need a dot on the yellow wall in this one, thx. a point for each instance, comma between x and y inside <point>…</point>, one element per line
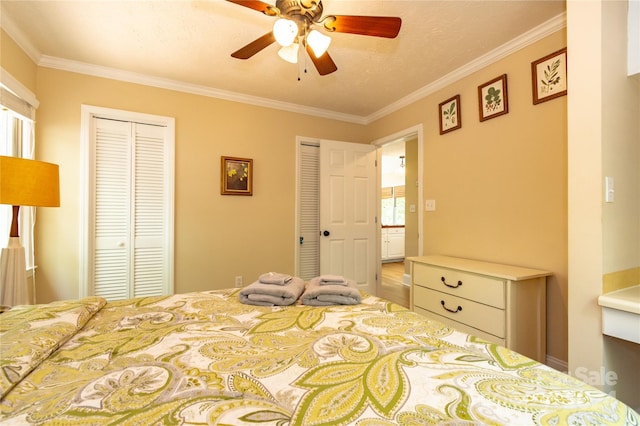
<point>604,140</point>
<point>16,62</point>
<point>500,185</point>
<point>411,229</point>
<point>620,219</point>
<point>216,237</point>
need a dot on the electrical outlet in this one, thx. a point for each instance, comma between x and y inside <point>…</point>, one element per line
<point>239,281</point>
<point>430,205</point>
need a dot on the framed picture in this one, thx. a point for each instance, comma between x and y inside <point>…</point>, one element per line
<point>492,98</point>
<point>549,76</point>
<point>236,176</point>
<point>450,118</point>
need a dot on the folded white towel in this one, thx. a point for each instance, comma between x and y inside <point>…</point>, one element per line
<point>328,294</point>
<point>332,279</point>
<point>275,278</point>
<point>258,293</point>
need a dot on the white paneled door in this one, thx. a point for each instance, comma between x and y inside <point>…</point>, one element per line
<point>129,221</point>
<point>348,241</point>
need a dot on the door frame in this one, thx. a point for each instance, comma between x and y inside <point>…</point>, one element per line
<point>416,130</point>
<point>318,141</point>
<point>408,133</point>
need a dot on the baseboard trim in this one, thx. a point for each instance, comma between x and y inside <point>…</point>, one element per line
<point>557,364</point>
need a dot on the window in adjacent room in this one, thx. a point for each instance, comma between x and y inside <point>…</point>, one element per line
<point>393,201</point>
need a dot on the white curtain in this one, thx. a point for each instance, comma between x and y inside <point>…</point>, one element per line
<point>5,149</point>
<point>17,140</point>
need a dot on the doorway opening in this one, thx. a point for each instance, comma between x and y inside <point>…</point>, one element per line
<point>400,198</point>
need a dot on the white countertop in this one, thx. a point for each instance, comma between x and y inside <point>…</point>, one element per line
<point>621,313</point>
<point>626,299</point>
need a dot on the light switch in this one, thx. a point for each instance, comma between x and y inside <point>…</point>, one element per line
<point>430,205</point>
<point>609,189</point>
<point>412,208</point>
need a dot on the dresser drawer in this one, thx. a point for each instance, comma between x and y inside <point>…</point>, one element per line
<point>486,290</point>
<point>461,327</point>
<point>477,315</point>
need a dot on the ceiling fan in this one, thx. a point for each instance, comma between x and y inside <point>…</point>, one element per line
<point>294,27</point>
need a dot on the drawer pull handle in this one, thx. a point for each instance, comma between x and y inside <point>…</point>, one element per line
<point>451,310</point>
<point>449,285</point>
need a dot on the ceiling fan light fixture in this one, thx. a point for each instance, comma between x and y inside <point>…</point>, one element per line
<point>318,42</point>
<point>285,31</point>
<point>289,53</point>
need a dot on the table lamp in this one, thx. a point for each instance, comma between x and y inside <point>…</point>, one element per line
<point>22,183</point>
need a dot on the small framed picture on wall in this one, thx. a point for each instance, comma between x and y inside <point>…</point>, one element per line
<point>236,176</point>
<point>450,118</point>
<point>492,98</point>
<point>549,76</point>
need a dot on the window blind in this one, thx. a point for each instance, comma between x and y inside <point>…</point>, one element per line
<point>386,192</point>
<point>15,104</point>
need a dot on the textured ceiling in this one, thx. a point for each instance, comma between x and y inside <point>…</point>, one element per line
<point>191,42</point>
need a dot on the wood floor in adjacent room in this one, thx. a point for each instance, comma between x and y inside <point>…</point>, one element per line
<point>392,287</point>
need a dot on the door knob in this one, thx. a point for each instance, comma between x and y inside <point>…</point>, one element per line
<point>326,233</point>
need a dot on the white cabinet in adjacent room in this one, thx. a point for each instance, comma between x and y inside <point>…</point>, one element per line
<point>392,243</point>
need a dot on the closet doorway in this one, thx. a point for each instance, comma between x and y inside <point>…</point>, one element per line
<point>127,199</point>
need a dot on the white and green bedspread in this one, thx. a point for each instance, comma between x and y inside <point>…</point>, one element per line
<point>204,358</point>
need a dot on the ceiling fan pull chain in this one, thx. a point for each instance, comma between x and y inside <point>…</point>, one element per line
<point>303,64</point>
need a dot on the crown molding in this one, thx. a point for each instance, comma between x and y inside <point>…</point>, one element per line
<point>531,36</point>
<point>537,33</point>
<point>164,83</point>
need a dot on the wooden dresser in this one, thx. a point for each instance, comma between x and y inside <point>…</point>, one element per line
<point>500,303</point>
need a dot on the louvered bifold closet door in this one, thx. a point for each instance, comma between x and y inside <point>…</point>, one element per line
<point>112,205</point>
<point>309,253</point>
<point>149,267</point>
<point>131,223</point>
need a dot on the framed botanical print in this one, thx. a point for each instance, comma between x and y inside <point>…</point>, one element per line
<point>450,118</point>
<point>549,76</point>
<point>492,98</point>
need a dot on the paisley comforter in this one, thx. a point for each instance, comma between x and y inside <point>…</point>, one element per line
<point>204,358</point>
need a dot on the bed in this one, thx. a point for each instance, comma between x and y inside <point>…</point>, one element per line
<point>205,358</point>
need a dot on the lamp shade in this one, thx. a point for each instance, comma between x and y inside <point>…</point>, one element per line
<point>285,31</point>
<point>289,53</point>
<point>29,183</point>
<point>318,42</point>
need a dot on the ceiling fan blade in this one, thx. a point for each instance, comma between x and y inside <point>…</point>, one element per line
<point>255,5</point>
<point>379,26</point>
<point>324,64</point>
<point>254,47</point>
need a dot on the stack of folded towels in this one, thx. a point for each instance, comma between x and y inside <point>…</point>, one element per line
<point>331,290</point>
<point>271,289</point>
